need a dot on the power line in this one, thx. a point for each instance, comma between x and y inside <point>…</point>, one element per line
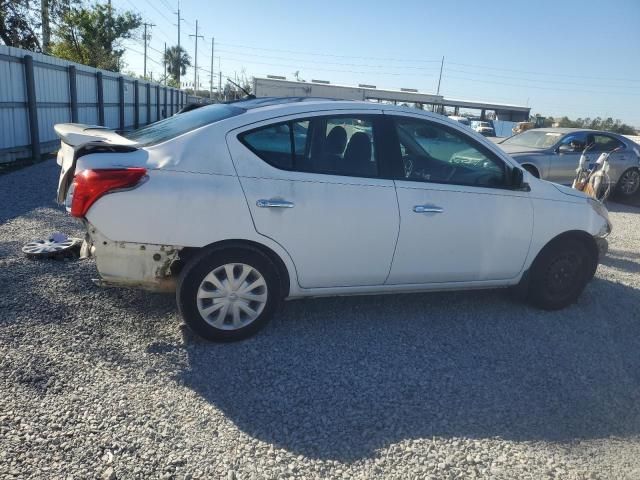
<point>329,63</point>
<point>327,54</point>
<point>540,88</point>
<point>253,62</point>
<point>545,73</point>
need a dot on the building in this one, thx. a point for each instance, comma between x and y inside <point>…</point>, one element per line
<point>273,86</point>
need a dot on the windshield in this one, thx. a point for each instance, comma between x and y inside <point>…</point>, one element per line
<point>534,139</point>
<point>182,123</point>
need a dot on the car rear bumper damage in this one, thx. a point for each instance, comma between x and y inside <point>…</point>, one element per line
<point>129,264</point>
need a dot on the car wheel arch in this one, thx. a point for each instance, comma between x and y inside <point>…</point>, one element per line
<point>532,169</point>
<point>186,254</point>
<point>584,237</point>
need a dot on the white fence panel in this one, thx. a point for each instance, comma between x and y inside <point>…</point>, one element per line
<point>53,103</point>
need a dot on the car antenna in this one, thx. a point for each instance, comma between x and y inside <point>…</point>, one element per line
<point>249,96</point>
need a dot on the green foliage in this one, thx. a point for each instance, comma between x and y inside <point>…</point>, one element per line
<point>92,36</point>
<point>19,22</point>
<point>177,61</point>
<point>598,123</point>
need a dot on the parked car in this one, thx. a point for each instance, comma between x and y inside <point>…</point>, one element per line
<point>366,199</point>
<point>483,128</point>
<point>462,120</point>
<point>553,154</point>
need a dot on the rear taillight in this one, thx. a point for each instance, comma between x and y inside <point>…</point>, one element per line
<point>90,185</point>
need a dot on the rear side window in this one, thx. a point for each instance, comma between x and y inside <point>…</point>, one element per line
<point>605,143</point>
<point>340,145</point>
<point>182,123</point>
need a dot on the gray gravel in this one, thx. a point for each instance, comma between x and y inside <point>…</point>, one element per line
<point>108,383</point>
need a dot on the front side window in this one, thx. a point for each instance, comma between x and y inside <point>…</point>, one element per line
<point>434,153</point>
<point>340,145</point>
<point>577,141</point>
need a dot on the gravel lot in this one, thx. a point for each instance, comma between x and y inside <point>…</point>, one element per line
<point>108,383</point>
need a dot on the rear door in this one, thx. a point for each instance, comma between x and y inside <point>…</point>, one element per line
<point>315,185</point>
<point>459,221</point>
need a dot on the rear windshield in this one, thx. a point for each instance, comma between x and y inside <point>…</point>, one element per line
<point>182,123</point>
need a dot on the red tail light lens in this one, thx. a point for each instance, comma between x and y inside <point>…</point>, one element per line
<point>90,185</point>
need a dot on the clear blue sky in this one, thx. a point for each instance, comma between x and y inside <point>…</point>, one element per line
<point>575,58</point>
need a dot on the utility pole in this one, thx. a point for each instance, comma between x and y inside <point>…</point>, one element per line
<point>211,71</point>
<point>195,68</point>
<point>179,49</point>
<point>146,39</point>
<point>219,83</point>
<point>164,61</point>
<point>440,77</point>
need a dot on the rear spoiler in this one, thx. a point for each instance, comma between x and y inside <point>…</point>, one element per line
<point>76,134</point>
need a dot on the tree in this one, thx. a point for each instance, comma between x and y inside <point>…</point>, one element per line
<point>19,22</point>
<point>177,60</point>
<point>92,36</point>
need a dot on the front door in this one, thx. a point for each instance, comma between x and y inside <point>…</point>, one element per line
<point>313,185</point>
<point>459,221</point>
<point>563,163</point>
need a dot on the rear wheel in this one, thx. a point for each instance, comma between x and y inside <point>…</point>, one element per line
<point>560,273</point>
<point>227,295</point>
<point>629,183</point>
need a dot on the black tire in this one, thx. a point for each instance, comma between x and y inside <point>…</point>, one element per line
<point>194,273</point>
<point>559,274</point>
<point>623,188</point>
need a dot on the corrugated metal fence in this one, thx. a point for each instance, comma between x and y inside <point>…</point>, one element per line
<point>37,91</point>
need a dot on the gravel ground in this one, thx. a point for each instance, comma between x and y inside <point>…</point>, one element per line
<point>108,383</point>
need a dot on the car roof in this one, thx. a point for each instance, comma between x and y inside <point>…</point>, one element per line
<point>571,130</point>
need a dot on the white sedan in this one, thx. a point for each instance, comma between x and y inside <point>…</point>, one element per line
<point>239,206</point>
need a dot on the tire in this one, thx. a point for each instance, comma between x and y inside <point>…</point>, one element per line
<point>532,170</point>
<point>560,273</point>
<point>629,183</point>
<point>219,310</point>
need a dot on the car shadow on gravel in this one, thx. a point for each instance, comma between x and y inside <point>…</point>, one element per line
<point>340,378</point>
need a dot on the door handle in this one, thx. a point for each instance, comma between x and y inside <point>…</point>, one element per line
<point>428,209</point>
<point>274,204</point>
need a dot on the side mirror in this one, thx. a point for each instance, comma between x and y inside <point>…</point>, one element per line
<point>565,148</point>
<point>517,179</point>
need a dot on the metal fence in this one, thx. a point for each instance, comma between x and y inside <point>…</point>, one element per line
<point>37,91</point>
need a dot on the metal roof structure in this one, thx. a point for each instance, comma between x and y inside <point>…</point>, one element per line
<point>280,87</point>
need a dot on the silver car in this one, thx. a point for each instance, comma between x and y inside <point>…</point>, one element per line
<point>553,154</point>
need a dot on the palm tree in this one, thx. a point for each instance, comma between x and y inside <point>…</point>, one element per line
<point>177,60</point>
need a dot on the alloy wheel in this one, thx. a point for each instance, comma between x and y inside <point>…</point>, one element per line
<point>629,182</point>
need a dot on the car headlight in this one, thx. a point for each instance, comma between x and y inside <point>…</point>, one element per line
<point>602,211</point>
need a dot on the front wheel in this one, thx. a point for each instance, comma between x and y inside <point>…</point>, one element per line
<point>560,273</point>
<point>226,295</point>
<point>629,182</point>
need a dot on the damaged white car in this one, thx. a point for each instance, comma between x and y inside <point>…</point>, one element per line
<point>239,206</point>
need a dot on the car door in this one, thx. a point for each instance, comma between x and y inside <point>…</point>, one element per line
<point>459,220</point>
<point>564,158</point>
<point>324,199</point>
<point>620,158</point>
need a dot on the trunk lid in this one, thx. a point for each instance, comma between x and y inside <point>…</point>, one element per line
<point>77,139</point>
